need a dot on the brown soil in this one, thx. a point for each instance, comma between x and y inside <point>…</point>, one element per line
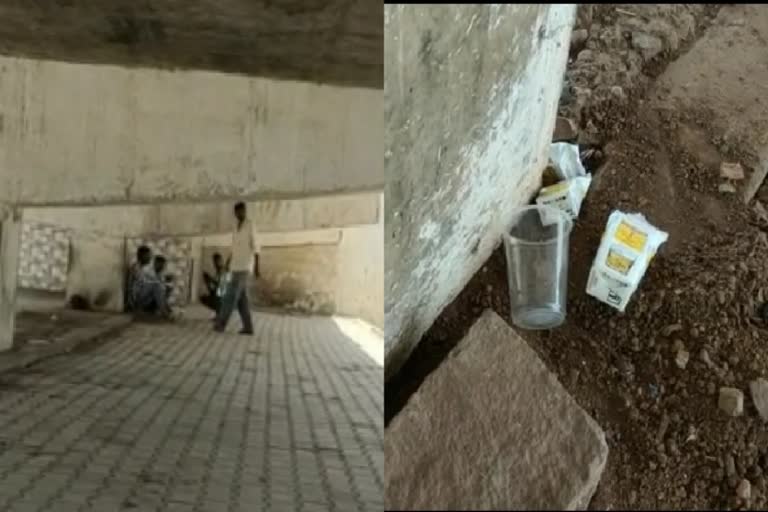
<point>703,290</point>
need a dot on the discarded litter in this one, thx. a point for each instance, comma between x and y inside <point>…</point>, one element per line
<point>536,248</point>
<point>731,171</point>
<point>566,160</point>
<point>566,195</point>
<point>627,247</point>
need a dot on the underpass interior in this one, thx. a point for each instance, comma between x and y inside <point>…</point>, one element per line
<point>317,313</point>
<point>143,126</point>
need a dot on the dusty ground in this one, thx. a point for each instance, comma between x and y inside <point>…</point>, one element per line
<point>695,103</point>
<point>47,326</point>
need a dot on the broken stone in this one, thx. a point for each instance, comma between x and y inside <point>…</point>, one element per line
<point>648,45</point>
<point>704,356</point>
<point>538,448</point>
<point>744,490</point>
<point>731,401</point>
<point>617,91</point>
<point>671,329</point>
<point>681,359</point>
<point>731,171</point>
<point>758,388</point>
<point>565,130</point>
<point>663,426</point>
<point>579,37</point>
<point>760,211</point>
<point>730,466</point>
<point>726,188</point>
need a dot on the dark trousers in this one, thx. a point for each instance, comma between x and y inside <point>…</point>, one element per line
<point>211,302</point>
<point>236,296</point>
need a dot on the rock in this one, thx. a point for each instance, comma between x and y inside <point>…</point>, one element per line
<point>731,401</point>
<point>663,426</point>
<point>583,56</point>
<point>731,171</point>
<point>681,359</point>
<point>538,449</point>
<point>618,92</point>
<point>730,466</point>
<point>704,356</point>
<point>565,130</point>
<point>744,490</point>
<point>648,45</point>
<point>579,37</point>
<point>671,329</point>
<point>758,388</point>
<point>760,211</point>
<point>726,188</point>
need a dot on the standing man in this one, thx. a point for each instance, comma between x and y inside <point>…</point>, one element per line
<point>244,260</point>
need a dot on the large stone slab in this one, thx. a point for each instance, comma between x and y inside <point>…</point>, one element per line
<point>492,428</point>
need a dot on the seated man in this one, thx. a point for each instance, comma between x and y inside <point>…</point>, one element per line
<point>146,293</point>
<point>167,279</point>
<point>212,283</point>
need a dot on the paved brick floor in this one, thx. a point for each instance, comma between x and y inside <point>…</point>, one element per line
<point>175,418</point>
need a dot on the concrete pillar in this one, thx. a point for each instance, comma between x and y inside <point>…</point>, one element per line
<point>10,236</point>
<point>489,76</point>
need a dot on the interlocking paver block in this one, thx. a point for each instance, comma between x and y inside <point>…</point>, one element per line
<point>175,417</point>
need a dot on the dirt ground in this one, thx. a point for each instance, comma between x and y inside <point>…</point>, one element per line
<point>670,444</point>
<point>46,326</point>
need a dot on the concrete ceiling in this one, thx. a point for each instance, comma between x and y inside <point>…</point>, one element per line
<point>326,41</point>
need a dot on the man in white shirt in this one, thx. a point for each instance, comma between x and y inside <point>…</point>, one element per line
<point>244,260</point>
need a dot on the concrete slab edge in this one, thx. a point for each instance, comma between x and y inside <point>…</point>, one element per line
<point>77,338</point>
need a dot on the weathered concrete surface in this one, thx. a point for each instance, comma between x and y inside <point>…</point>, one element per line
<point>10,239</point>
<point>299,277</point>
<point>470,101</point>
<point>213,218</point>
<point>97,270</point>
<point>360,274</point>
<point>334,41</point>
<point>76,134</point>
<point>96,327</point>
<point>492,429</point>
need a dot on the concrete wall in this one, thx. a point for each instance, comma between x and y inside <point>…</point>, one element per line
<point>97,270</point>
<point>79,134</point>
<point>470,101</point>
<point>300,277</point>
<point>360,288</point>
<point>212,218</point>
<point>323,271</point>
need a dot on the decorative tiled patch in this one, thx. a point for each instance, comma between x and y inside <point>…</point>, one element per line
<point>43,257</point>
<point>177,252</point>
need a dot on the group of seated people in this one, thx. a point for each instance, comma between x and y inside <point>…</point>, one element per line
<point>149,288</point>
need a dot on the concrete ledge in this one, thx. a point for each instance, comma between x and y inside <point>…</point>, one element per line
<point>492,428</point>
<point>77,338</point>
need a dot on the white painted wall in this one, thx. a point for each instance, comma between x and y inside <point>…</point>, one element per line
<point>211,218</point>
<point>81,134</point>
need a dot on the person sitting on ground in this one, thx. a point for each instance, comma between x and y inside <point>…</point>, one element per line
<point>146,293</point>
<point>212,283</point>
<point>160,264</point>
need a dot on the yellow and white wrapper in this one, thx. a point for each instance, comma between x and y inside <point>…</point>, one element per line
<point>628,245</point>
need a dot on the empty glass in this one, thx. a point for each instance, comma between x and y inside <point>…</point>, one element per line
<point>537,266</point>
